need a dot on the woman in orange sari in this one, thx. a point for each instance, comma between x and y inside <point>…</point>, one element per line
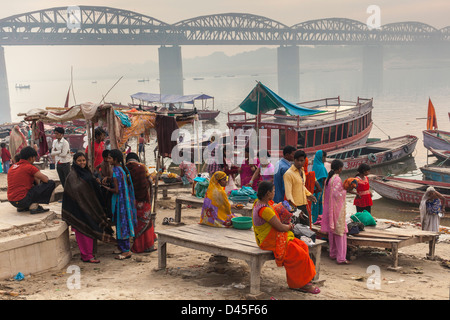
<point>290,252</point>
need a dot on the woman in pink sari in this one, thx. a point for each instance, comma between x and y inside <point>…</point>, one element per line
<point>247,170</point>
<point>333,217</point>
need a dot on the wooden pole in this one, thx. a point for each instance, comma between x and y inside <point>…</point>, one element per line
<point>155,194</point>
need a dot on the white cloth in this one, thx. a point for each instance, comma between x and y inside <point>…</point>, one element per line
<point>61,151</point>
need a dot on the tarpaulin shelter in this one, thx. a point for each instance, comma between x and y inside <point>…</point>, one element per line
<point>262,100</point>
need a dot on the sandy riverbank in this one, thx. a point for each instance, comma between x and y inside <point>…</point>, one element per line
<point>190,275</point>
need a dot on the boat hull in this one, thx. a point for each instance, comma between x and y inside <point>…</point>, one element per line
<point>207,114</point>
<point>442,155</point>
<point>441,174</point>
<point>436,139</point>
<point>383,152</point>
<point>407,190</point>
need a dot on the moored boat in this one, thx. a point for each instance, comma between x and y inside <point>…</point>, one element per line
<point>436,173</point>
<point>375,153</point>
<point>442,155</point>
<point>436,139</point>
<point>167,104</point>
<point>326,124</point>
<point>407,190</point>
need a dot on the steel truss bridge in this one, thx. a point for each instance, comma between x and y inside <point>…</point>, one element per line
<point>110,26</point>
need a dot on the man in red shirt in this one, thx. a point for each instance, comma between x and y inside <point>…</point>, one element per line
<point>27,185</point>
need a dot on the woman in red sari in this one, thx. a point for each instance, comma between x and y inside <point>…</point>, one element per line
<point>145,237</point>
<point>290,252</point>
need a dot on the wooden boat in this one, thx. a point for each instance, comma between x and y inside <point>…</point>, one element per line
<point>442,155</point>
<point>436,139</point>
<point>407,190</point>
<point>375,153</point>
<point>326,124</point>
<point>436,173</point>
<point>168,104</point>
<point>23,86</point>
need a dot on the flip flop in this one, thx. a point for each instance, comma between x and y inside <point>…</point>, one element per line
<point>311,289</point>
<point>122,257</point>
<point>93,260</point>
<point>165,221</point>
<point>344,262</point>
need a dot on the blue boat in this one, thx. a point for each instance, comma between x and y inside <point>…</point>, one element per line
<point>435,173</point>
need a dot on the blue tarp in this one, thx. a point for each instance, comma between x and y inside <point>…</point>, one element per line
<point>269,100</point>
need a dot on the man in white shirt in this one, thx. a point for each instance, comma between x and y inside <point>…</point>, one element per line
<point>61,152</point>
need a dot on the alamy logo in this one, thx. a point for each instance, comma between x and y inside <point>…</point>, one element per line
<point>74,281</point>
<point>73,17</point>
<point>374,20</point>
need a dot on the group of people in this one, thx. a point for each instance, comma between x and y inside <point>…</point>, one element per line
<point>111,203</point>
<point>122,199</point>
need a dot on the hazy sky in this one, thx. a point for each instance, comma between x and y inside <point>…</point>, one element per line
<point>289,12</point>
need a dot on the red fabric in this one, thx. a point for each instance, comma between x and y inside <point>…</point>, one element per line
<point>6,156</point>
<point>300,269</point>
<point>20,180</point>
<point>98,150</point>
<point>363,189</point>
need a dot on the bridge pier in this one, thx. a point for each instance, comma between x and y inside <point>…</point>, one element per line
<point>372,66</point>
<point>288,72</point>
<point>5,108</point>
<point>170,70</point>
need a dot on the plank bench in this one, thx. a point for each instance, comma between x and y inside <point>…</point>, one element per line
<point>166,186</point>
<point>229,242</point>
<point>389,238</point>
<point>194,201</point>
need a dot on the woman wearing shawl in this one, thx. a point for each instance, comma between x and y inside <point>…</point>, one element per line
<point>122,204</point>
<point>17,141</point>
<point>333,217</point>
<point>321,175</point>
<point>431,209</point>
<point>216,210</point>
<point>82,208</point>
<point>145,232</point>
<point>271,234</point>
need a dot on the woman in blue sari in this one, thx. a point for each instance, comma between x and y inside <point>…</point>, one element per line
<point>123,205</point>
<point>321,176</point>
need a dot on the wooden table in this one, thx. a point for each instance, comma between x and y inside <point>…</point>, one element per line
<point>229,242</point>
<point>194,201</point>
<point>389,238</point>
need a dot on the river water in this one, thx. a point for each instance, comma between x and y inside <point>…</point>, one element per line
<point>400,106</point>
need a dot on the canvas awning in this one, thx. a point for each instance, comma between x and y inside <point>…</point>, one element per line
<point>263,99</point>
<point>169,98</point>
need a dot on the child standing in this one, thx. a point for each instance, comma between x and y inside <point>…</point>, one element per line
<point>6,158</point>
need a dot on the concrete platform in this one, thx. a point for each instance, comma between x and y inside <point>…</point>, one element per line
<point>32,243</point>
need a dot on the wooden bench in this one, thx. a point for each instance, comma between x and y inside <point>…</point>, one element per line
<point>166,186</point>
<point>389,238</point>
<point>229,242</point>
<point>194,201</point>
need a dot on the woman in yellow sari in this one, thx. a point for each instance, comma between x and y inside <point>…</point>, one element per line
<point>216,210</point>
<point>290,252</point>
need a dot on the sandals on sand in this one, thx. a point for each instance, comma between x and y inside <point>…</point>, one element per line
<point>309,288</point>
<point>167,220</point>
<point>344,262</point>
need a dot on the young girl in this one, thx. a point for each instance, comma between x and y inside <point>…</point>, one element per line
<point>333,217</point>
<point>264,171</point>
<point>363,200</point>
<point>122,204</point>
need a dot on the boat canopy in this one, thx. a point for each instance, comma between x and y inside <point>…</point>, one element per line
<point>169,98</point>
<point>262,99</point>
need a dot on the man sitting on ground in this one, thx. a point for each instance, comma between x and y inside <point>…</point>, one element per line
<point>27,185</point>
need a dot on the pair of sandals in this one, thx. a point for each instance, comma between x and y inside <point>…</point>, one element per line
<point>167,220</point>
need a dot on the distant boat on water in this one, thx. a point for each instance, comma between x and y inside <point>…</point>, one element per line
<point>23,86</point>
<point>198,78</point>
<point>143,80</point>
